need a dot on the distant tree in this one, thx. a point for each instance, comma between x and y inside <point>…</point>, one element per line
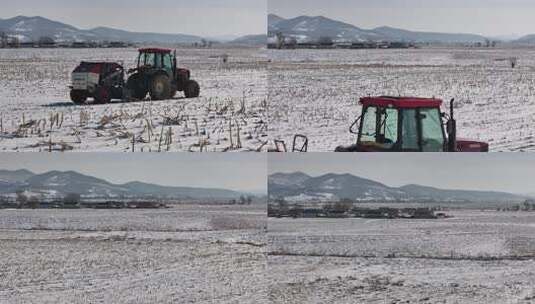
<point>291,42</point>
<point>3,40</point>
<point>249,200</point>
<point>15,42</point>
<point>71,199</point>
<point>33,202</point>
<point>325,40</point>
<point>343,206</point>
<point>282,204</point>
<point>22,198</point>
<point>280,40</point>
<point>45,41</point>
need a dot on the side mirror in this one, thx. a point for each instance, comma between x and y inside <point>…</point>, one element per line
<point>300,143</point>
<point>353,125</point>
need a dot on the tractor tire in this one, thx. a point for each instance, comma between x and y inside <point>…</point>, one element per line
<point>192,89</point>
<point>136,88</point>
<point>78,97</point>
<point>160,88</point>
<point>102,95</point>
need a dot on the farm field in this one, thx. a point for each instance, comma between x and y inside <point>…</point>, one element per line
<point>37,114</point>
<point>185,254</point>
<point>474,257</point>
<point>316,92</point>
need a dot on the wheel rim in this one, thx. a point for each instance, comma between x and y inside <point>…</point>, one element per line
<point>159,87</point>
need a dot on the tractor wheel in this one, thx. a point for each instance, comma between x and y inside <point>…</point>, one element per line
<point>160,87</point>
<point>102,95</point>
<point>192,89</point>
<point>78,97</point>
<point>135,86</point>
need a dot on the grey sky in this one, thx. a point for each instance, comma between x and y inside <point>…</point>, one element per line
<point>244,171</point>
<point>486,17</point>
<point>509,172</point>
<point>197,17</point>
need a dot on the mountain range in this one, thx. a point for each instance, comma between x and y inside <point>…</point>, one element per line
<point>298,186</point>
<point>58,183</point>
<point>29,29</point>
<point>312,28</point>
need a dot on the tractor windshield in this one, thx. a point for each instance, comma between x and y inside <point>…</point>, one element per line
<point>146,59</point>
<point>379,127</point>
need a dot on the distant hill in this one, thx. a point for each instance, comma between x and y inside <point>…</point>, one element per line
<point>106,33</point>
<point>251,40</point>
<point>311,28</point>
<point>59,183</point>
<point>301,187</point>
<point>274,19</point>
<point>16,176</point>
<point>528,39</point>
<point>391,33</point>
<point>32,28</point>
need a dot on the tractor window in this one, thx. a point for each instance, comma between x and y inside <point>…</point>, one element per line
<point>432,134</point>
<point>379,127</point>
<point>369,125</point>
<point>167,62</point>
<point>146,59</point>
<point>389,119</point>
<point>409,133</point>
<point>158,62</point>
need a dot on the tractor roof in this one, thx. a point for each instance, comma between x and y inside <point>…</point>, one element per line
<point>155,50</point>
<point>401,102</point>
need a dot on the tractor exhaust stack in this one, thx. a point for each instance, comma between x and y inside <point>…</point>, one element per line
<point>452,129</point>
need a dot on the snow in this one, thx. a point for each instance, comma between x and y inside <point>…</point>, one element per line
<point>316,92</point>
<point>316,196</point>
<point>475,257</point>
<point>186,254</point>
<point>33,89</point>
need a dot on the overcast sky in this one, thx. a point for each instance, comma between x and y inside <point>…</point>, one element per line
<point>242,172</point>
<point>486,17</point>
<point>197,17</point>
<point>509,172</point>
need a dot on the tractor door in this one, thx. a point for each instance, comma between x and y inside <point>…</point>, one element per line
<point>422,130</point>
<point>410,138</point>
<point>167,65</point>
<point>378,129</point>
<point>433,138</point>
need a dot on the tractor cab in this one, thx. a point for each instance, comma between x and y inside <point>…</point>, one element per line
<point>157,59</point>
<point>407,124</point>
<point>157,74</point>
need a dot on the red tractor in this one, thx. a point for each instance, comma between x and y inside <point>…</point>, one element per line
<point>156,74</point>
<point>403,124</point>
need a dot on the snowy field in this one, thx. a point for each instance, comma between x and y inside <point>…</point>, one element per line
<point>37,115</point>
<point>186,254</point>
<point>475,257</point>
<point>316,92</point>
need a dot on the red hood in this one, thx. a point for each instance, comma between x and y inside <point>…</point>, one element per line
<point>468,145</point>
